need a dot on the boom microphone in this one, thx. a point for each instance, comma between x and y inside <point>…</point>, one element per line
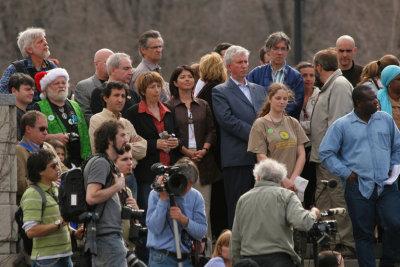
<point>335,211</point>
<point>332,183</point>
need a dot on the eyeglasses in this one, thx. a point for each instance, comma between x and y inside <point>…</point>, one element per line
<point>283,49</point>
<point>155,47</point>
<point>42,129</point>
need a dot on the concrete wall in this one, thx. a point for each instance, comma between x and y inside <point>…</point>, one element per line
<point>8,180</point>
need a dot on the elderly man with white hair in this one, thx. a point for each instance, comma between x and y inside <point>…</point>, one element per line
<point>265,216</point>
<point>34,48</point>
<point>64,117</point>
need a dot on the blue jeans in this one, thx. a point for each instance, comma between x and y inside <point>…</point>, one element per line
<point>159,259</point>
<point>364,214</point>
<point>56,262</point>
<point>111,251</point>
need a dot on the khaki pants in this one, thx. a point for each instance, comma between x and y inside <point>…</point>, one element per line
<point>334,198</point>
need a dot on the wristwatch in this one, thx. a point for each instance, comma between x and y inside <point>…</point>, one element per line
<point>58,223</point>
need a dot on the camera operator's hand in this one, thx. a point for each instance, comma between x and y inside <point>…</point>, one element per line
<point>119,181</point>
<point>317,212</point>
<point>132,202</point>
<point>62,137</point>
<point>288,184</point>
<point>176,214</point>
<point>172,142</point>
<point>163,194</point>
<point>352,177</point>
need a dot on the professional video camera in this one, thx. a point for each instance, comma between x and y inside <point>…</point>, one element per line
<point>174,182</point>
<point>323,230</point>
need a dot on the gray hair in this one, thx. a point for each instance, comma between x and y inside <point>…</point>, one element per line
<point>189,169</point>
<point>270,170</point>
<point>144,39</point>
<point>275,38</point>
<point>25,39</point>
<point>115,59</point>
<point>232,51</point>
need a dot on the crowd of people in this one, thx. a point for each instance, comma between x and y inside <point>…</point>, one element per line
<point>242,139</point>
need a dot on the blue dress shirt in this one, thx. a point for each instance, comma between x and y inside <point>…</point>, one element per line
<point>368,149</point>
<point>160,225</point>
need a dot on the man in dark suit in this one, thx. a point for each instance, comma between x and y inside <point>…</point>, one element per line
<point>236,105</point>
<point>84,88</point>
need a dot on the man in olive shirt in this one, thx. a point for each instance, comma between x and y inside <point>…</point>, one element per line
<point>262,228</point>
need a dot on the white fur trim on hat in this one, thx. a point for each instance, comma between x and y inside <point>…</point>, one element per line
<point>51,76</point>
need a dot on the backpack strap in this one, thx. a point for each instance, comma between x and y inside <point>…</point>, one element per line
<point>19,65</point>
<point>92,159</point>
<point>37,188</point>
<point>26,146</point>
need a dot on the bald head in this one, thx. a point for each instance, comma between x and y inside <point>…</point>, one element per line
<point>100,58</point>
<point>346,50</point>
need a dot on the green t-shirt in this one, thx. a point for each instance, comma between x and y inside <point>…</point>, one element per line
<point>57,242</point>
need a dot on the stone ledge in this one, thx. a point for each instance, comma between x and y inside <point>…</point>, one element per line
<point>8,260</point>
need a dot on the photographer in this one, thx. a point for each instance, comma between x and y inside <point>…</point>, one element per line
<point>188,212</point>
<point>110,141</point>
<point>124,164</point>
<point>264,217</point>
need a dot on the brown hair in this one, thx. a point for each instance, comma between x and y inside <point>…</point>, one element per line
<point>327,58</point>
<point>374,68</point>
<point>223,240</point>
<point>272,90</point>
<point>145,79</point>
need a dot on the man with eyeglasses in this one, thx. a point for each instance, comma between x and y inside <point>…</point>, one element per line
<point>151,46</point>
<point>119,69</point>
<point>346,49</point>
<point>278,71</point>
<point>34,131</point>
<point>84,88</point>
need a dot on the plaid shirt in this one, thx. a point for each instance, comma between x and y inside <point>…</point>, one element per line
<point>27,70</point>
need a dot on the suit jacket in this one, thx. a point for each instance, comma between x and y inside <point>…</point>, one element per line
<point>83,92</point>
<point>145,127</point>
<point>235,116</point>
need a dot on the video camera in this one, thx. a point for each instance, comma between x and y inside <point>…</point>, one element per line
<point>322,230</point>
<point>173,181</point>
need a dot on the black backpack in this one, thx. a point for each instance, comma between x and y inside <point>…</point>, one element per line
<point>19,218</point>
<point>72,192</point>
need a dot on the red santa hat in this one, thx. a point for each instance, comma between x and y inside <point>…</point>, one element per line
<point>44,78</point>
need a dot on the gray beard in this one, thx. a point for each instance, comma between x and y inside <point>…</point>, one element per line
<point>57,97</point>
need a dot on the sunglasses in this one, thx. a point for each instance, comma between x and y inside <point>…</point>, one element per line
<point>42,129</point>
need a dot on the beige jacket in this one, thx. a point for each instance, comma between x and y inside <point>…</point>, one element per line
<point>138,144</point>
<point>23,154</point>
<point>334,101</point>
